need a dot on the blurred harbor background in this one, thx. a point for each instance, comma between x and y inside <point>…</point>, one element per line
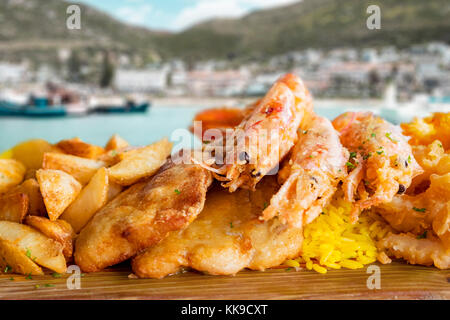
<point>148,82</point>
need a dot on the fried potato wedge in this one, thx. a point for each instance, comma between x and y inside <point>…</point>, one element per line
<point>140,163</point>
<point>80,168</point>
<point>11,174</point>
<point>58,230</point>
<point>35,245</point>
<point>58,189</point>
<point>30,187</point>
<point>89,201</point>
<point>13,207</point>
<point>113,190</point>
<point>116,142</point>
<point>31,152</point>
<point>11,257</point>
<point>79,148</point>
<point>141,216</point>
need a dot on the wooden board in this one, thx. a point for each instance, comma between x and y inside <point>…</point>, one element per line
<point>398,281</point>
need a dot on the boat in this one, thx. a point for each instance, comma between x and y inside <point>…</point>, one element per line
<point>129,107</point>
<point>30,110</point>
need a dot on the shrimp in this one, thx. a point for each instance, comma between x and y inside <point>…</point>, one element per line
<point>316,166</point>
<point>263,138</point>
<point>382,160</point>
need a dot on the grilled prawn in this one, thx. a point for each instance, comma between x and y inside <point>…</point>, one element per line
<point>316,166</point>
<point>263,138</point>
<point>381,160</point>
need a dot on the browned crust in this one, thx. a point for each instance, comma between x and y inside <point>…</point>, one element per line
<point>142,216</point>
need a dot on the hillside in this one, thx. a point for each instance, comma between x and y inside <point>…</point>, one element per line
<point>33,28</point>
<point>30,27</point>
<point>317,24</point>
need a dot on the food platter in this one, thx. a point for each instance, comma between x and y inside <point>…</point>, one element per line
<point>314,210</point>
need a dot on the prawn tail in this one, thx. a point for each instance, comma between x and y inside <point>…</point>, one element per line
<point>352,181</point>
<point>282,202</point>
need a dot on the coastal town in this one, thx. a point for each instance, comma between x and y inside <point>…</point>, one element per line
<point>338,73</point>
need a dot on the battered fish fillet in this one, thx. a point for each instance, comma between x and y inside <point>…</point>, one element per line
<point>142,216</point>
<point>416,251</point>
<point>226,237</point>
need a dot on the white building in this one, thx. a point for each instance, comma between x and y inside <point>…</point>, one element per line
<point>147,80</point>
<point>12,73</point>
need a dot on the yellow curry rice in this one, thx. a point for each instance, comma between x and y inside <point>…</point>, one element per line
<point>332,242</point>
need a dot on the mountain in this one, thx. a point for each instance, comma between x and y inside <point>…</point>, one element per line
<point>30,27</point>
<point>315,24</point>
<point>33,28</point>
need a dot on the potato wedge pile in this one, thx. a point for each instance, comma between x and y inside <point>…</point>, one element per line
<point>48,193</point>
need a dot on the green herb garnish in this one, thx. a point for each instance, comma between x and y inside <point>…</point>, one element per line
<point>422,236</point>
<point>56,275</point>
<point>367,156</point>
<point>231,225</point>
<point>48,285</point>
<point>388,135</point>
<point>419,209</point>
<point>29,277</point>
<point>28,253</point>
<point>352,155</point>
<point>380,152</point>
<point>350,165</point>
<point>177,191</point>
<point>7,268</point>
<point>373,135</point>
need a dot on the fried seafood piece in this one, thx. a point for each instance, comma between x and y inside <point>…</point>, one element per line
<point>142,215</point>
<point>226,237</point>
<point>416,251</point>
<point>382,160</point>
<point>429,210</point>
<point>316,165</point>
<point>424,131</point>
<point>263,138</point>
<point>433,159</point>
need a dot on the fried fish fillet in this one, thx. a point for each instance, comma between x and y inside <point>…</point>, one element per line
<point>142,216</point>
<point>226,237</point>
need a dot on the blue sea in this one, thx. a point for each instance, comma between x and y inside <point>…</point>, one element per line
<point>138,129</point>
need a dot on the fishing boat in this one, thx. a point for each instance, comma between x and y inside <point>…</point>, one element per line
<point>128,107</point>
<point>8,108</point>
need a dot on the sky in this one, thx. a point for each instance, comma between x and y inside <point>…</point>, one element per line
<point>176,15</point>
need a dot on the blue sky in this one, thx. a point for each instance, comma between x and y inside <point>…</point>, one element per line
<point>176,15</point>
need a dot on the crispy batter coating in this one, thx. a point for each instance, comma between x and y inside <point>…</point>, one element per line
<point>226,237</point>
<point>142,216</point>
<point>416,251</point>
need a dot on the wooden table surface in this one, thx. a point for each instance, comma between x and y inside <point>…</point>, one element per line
<point>398,281</point>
